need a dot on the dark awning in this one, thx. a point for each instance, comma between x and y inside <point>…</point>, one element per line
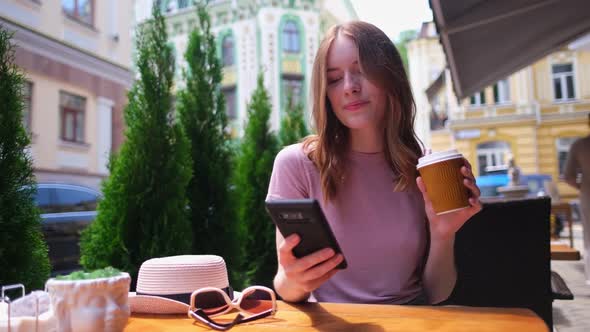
<point>487,40</point>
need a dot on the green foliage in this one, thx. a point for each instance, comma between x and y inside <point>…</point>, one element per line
<point>254,166</point>
<point>107,272</point>
<point>293,127</point>
<point>201,107</point>
<point>23,251</point>
<point>144,210</point>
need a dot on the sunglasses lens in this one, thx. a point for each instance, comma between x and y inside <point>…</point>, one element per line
<point>256,301</point>
<point>211,302</point>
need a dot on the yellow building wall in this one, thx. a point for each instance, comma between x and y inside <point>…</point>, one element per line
<point>583,74</point>
<point>440,140</point>
<point>526,143</point>
<point>534,149</point>
<point>520,140</point>
<point>542,81</point>
<point>96,39</point>
<point>533,145</point>
<point>542,76</point>
<point>489,95</point>
<point>464,147</point>
<point>514,90</point>
<point>45,115</point>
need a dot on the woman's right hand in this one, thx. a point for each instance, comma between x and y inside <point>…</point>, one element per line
<point>298,277</point>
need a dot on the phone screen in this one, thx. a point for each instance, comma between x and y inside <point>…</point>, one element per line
<point>305,218</point>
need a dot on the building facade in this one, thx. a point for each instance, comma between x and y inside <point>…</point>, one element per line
<point>277,37</point>
<point>534,114</point>
<point>426,60</point>
<point>76,56</point>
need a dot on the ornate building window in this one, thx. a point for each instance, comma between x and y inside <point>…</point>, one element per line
<point>72,111</point>
<point>291,40</point>
<point>80,10</point>
<point>563,81</point>
<point>502,92</point>
<point>491,156</point>
<point>227,50</point>
<point>292,86</point>
<point>183,3</point>
<point>230,102</point>
<point>478,99</point>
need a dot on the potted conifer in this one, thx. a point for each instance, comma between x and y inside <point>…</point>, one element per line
<point>23,252</point>
<point>254,164</point>
<point>90,301</point>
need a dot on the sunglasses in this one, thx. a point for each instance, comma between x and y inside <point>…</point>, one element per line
<point>255,302</point>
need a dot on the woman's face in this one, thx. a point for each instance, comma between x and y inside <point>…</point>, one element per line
<point>357,102</point>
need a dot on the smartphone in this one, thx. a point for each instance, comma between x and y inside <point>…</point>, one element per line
<point>305,218</point>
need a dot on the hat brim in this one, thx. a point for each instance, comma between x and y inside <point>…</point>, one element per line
<point>151,304</point>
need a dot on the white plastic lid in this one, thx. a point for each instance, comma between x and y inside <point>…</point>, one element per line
<point>438,156</point>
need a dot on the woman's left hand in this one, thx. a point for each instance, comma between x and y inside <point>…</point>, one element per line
<point>443,227</point>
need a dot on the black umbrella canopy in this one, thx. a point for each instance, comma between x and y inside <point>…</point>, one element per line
<point>487,40</point>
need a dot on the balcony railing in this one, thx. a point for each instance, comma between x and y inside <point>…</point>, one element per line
<point>467,114</point>
<point>491,111</point>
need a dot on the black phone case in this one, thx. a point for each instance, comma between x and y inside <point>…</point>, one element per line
<point>304,217</point>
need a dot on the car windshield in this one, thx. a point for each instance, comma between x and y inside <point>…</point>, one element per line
<point>65,199</point>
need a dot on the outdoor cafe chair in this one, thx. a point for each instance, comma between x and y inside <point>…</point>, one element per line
<point>503,257</point>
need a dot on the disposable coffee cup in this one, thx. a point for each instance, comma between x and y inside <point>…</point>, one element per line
<point>441,173</point>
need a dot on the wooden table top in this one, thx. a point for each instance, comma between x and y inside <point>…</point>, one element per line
<point>563,252</point>
<point>361,317</point>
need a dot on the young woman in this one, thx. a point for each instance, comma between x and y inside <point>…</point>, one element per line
<point>361,167</point>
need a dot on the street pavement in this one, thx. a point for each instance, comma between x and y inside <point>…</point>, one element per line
<point>572,315</point>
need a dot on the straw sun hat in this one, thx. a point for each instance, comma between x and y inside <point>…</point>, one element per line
<point>164,285</point>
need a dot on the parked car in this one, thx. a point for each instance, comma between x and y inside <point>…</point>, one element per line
<point>66,209</point>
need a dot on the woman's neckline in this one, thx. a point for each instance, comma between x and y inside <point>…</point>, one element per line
<point>366,155</point>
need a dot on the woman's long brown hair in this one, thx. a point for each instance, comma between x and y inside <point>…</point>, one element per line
<point>382,65</point>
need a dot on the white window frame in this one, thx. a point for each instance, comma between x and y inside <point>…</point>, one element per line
<point>478,99</point>
<point>231,106</point>
<point>77,16</point>
<point>228,45</point>
<point>503,87</point>
<point>495,156</point>
<point>291,35</point>
<point>73,105</point>
<point>181,4</point>
<point>294,84</point>
<point>563,82</point>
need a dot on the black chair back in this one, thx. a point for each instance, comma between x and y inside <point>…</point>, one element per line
<point>503,257</point>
